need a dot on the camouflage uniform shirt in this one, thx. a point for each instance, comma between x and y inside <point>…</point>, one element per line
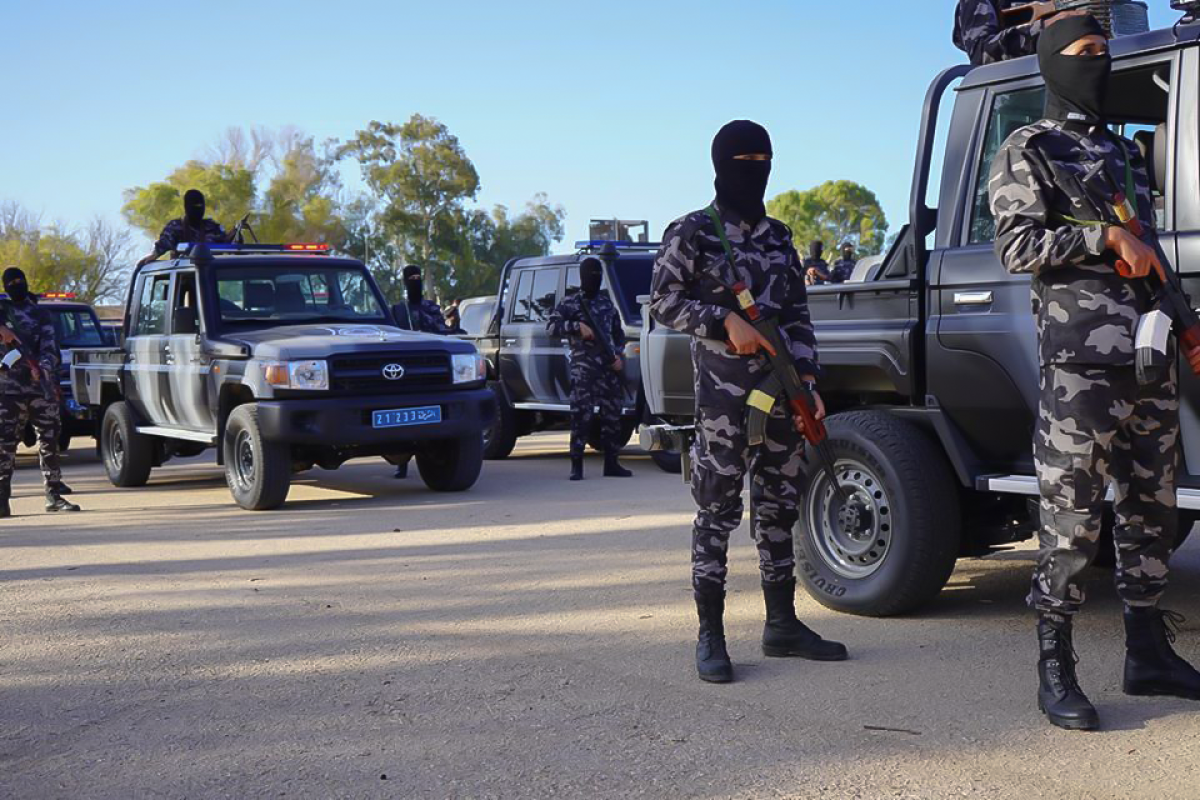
<point>842,270</point>
<point>33,325</point>
<point>1086,312</point>
<point>426,317</point>
<point>178,231</point>
<point>822,268</point>
<point>686,297</point>
<point>978,32</point>
<point>564,324</point>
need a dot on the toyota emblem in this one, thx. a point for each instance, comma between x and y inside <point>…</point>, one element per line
<point>393,372</point>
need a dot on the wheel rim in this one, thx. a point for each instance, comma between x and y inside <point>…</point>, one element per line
<point>243,460</point>
<point>853,538</point>
<point>116,448</point>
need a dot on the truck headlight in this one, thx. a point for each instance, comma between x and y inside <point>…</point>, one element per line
<point>468,367</point>
<point>312,375</point>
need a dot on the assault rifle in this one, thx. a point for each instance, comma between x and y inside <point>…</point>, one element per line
<point>783,382</point>
<point>14,353</point>
<point>1171,295</point>
<point>602,336</point>
<point>1032,12</point>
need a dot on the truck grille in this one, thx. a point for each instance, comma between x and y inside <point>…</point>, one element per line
<point>364,374</point>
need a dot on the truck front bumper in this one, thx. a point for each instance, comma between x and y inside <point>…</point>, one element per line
<point>345,422</point>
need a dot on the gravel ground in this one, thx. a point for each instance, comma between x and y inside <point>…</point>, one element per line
<point>530,638</point>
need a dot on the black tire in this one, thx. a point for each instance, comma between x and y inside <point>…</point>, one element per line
<point>452,466</point>
<point>667,461</point>
<point>128,456</point>
<point>624,434</point>
<point>500,437</point>
<point>259,472</point>
<point>907,529</point>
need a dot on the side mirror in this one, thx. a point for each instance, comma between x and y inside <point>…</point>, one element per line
<point>185,321</point>
<point>109,337</point>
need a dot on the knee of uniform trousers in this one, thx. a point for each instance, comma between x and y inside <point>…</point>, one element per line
<point>1071,524</point>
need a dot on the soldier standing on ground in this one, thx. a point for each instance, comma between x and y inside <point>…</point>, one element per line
<point>816,269</point>
<point>979,32</point>
<point>596,366</point>
<point>29,390</point>
<point>423,315</point>
<point>192,228</point>
<point>844,267</point>
<point>688,294</point>
<point>1095,422</point>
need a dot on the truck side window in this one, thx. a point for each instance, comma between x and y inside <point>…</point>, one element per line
<point>522,306</point>
<point>152,308</point>
<point>545,294</point>
<point>1010,111</point>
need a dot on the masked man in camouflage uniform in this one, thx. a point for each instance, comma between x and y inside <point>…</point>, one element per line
<point>192,228</point>
<point>816,268</point>
<point>689,294</point>
<point>596,365</point>
<point>417,313</point>
<point>843,268</point>
<point>980,33</point>
<point>29,390</point>
<point>1095,422</point>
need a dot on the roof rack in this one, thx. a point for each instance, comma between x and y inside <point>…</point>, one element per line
<point>595,246</point>
<point>233,248</point>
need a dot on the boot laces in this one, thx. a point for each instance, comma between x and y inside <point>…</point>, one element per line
<point>1172,624</point>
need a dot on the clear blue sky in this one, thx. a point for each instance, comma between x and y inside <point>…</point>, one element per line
<point>607,107</point>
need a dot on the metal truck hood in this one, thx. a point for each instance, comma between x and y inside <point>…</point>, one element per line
<point>320,341</point>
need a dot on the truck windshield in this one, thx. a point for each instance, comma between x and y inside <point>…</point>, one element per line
<point>292,294</point>
<point>76,328</point>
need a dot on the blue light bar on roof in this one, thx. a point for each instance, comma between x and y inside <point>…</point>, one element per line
<point>233,247</point>
<point>597,244</point>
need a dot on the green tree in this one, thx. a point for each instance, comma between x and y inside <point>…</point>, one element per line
<point>300,203</point>
<point>421,177</point>
<point>492,238</point>
<point>834,212</point>
<point>229,193</point>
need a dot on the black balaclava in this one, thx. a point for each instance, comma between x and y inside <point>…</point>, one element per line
<point>193,207</point>
<point>413,288</point>
<point>847,252</point>
<point>742,185</point>
<point>815,250</point>
<point>15,284</point>
<point>591,273</point>
<point>1076,86</point>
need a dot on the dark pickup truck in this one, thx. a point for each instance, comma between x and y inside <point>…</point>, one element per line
<point>528,369</point>
<point>282,357</point>
<point>930,362</point>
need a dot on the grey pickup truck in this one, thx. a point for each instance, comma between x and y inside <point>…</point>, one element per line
<point>282,357</point>
<point>930,362</point>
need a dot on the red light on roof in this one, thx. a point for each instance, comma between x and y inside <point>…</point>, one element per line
<point>318,247</point>
<point>59,295</point>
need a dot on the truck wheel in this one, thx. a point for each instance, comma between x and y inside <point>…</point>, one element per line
<point>259,473</point>
<point>128,455</point>
<point>452,466</point>
<point>500,437</point>
<point>893,547</point>
<point>624,434</point>
<point>667,461</point>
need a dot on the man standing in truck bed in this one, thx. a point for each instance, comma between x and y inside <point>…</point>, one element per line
<point>1095,422</point>
<point>979,31</point>
<point>590,321</point>
<point>689,294</point>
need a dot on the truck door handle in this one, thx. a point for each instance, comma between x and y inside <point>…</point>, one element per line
<point>510,341</point>
<point>973,298</point>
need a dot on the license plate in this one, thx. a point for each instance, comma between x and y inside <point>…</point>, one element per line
<point>401,417</point>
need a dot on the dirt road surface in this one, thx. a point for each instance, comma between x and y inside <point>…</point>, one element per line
<point>530,638</point>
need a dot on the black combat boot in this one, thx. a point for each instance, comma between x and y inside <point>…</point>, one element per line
<point>1151,665</point>
<point>5,508</point>
<point>612,467</point>
<point>712,659</point>
<point>401,471</point>
<point>576,468</point>
<point>55,502</point>
<point>1059,695</point>
<point>784,635</point>
<point>62,488</point>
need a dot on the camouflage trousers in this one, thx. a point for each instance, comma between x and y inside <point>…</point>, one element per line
<point>594,388</point>
<point>1096,426</point>
<point>721,458</point>
<point>16,411</point>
